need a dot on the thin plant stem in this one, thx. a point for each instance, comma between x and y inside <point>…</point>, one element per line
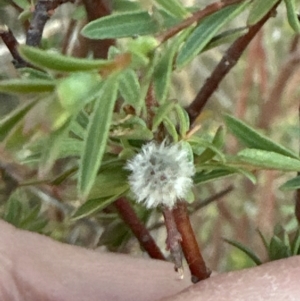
<point>11,43</point>
<point>42,12</point>
<point>228,61</point>
<point>145,239</point>
<point>196,17</point>
<point>173,240</point>
<point>198,205</point>
<point>189,244</point>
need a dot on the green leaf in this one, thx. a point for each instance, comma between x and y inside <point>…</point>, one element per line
<point>10,121</point>
<point>92,206</point>
<point>70,147</point>
<point>22,3</point>
<point>225,37</point>
<point>25,86</point>
<point>253,139</point>
<point>277,249</point>
<point>204,177</point>
<point>130,87</point>
<point>164,66</point>
<point>292,184</point>
<point>31,73</point>
<point>259,10</point>
<point>78,89</point>
<point>136,132</point>
<point>268,160</point>
<point>13,211</point>
<point>205,31</point>
<point>171,129</point>
<point>209,153</point>
<point>161,113</point>
<point>292,15</point>
<point>173,7</point>
<point>244,249</point>
<point>97,134</point>
<point>121,25</point>
<point>59,62</point>
<point>214,151</point>
<point>125,5</point>
<point>52,148</point>
<point>183,120</point>
<point>162,75</point>
<point>295,244</point>
<point>110,181</point>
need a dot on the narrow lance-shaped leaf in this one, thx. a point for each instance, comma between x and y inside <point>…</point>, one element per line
<point>268,160</point>
<point>259,10</point>
<point>97,133</point>
<point>277,249</point>
<point>59,62</point>
<point>10,121</point>
<point>253,139</point>
<point>229,36</point>
<point>218,142</point>
<point>292,184</point>
<point>163,68</point>
<point>52,149</point>
<point>183,119</point>
<point>162,111</point>
<point>92,206</point>
<point>110,181</point>
<point>26,86</point>
<point>22,3</point>
<point>171,129</point>
<point>206,30</point>
<point>173,7</point>
<point>121,25</point>
<point>202,177</point>
<point>130,87</point>
<point>245,250</point>
<point>292,15</point>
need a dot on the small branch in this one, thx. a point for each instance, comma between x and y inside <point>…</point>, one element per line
<point>199,205</point>
<point>189,244</point>
<point>11,43</point>
<point>96,9</point>
<point>42,12</point>
<point>173,239</point>
<point>228,61</point>
<point>196,17</point>
<point>128,215</point>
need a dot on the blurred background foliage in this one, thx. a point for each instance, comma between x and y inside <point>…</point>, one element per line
<point>263,90</point>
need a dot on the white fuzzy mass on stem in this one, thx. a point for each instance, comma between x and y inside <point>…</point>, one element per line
<point>160,174</point>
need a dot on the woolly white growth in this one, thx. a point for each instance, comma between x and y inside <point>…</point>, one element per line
<point>161,174</point>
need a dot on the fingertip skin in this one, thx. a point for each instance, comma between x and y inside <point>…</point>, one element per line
<point>273,281</point>
<point>35,267</point>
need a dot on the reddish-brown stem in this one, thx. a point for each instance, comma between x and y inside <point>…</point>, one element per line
<point>96,9</point>
<point>129,216</point>
<point>189,244</point>
<point>226,64</point>
<point>197,205</point>
<point>196,17</point>
<point>173,238</point>
<point>11,43</point>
